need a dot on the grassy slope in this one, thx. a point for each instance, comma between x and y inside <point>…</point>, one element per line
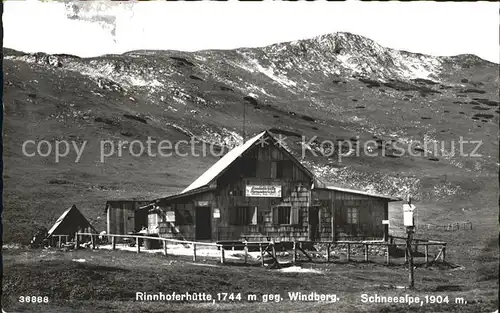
<point>38,189</point>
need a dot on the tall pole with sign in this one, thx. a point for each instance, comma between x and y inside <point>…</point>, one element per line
<point>216,216</point>
<point>408,212</point>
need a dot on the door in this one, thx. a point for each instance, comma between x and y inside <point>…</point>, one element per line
<point>314,223</point>
<point>203,223</point>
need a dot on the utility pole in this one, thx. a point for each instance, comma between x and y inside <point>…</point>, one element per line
<point>244,122</point>
<point>410,230</point>
<point>409,239</point>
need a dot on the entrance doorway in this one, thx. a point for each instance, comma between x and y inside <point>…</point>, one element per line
<point>203,223</point>
<point>314,223</point>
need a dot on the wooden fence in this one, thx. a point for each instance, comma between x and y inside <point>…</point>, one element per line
<point>421,242</point>
<point>269,248</point>
<point>448,227</point>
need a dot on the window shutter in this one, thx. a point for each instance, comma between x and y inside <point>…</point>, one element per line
<point>275,215</point>
<point>254,215</point>
<point>274,169</point>
<point>294,215</point>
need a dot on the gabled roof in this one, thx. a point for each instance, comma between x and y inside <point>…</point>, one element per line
<point>60,219</point>
<point>359,192</point>
<point>71,221</point>
<point>203,183</point>
<point>218,168</point>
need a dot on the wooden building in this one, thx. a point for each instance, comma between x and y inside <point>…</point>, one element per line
<point>259,191</point>
<point>70,222</point>
<point>125,216</point>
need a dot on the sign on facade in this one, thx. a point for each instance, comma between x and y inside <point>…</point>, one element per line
<point>216,213</point>
<point>170,216</point>
<point>408,210</point>
<point>203,203</point>
<point>269,191</point>
<point>385,222</point>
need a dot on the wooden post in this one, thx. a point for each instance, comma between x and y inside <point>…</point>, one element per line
<point>164,247</point>
<point>113,243</point>
<point>426,247</point>
<point>438,255</point>
<point>348,252</point>
<point>273,249</point>
<point>328,253</point>
<point>406,254</point>
<point>92,239</point>
<point>366,253</point>
<point>332,224</point>
<point>261,254</point>
<point>294,260</point>
<point>76,240</point>
<point>388,256</point>
<point>194,252</point>
<point>246,252</point>
<point>222,260</point>
<point>444,253</point>
<point>409,239</point>
<point>59,243</point>
<point>305,253</point>
<point>137,244</point>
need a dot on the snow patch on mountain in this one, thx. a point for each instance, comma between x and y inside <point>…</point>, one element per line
<point>257,89</point>
<point>252,65</point>
<point>426,67</point>
<point>276,76</point>
<point>224,137</point>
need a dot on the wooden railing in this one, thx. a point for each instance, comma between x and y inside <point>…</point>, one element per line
<point>138,238</point>
<point>448,227</point>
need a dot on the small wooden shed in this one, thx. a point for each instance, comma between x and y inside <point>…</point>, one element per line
<point>124,216</point>
<point>69,223</point>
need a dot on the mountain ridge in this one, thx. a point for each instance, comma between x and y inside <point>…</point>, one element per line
<point>326,36</point>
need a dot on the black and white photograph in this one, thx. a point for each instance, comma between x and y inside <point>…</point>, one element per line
<point>250,156</point>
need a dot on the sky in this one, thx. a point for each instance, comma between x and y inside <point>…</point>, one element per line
<point>98,28</point>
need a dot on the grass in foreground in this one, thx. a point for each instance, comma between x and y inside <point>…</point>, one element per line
<point>108,281</point>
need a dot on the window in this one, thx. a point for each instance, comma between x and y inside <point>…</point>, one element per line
<point>183,217</point>
<point>243,215</point>
<point>235,192</point>
<point>249,167</point>
<point>285,215</point>
<point>284,169</point>
<point>352,215</point>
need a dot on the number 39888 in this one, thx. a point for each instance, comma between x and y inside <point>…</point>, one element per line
<point>34,299</point>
